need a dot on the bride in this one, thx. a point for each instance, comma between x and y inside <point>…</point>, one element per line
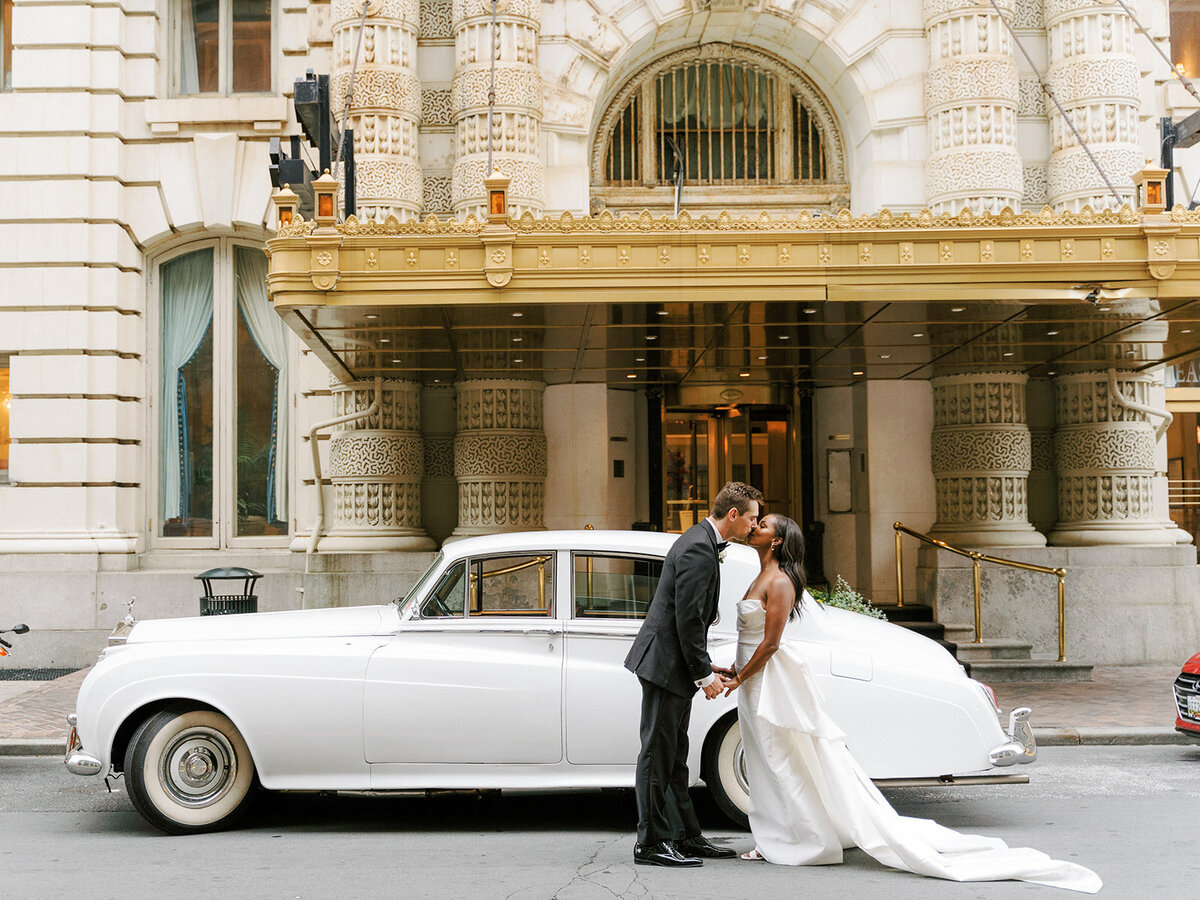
<point>809,799</point>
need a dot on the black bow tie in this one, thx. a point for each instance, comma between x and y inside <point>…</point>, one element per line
<point>721,545</point>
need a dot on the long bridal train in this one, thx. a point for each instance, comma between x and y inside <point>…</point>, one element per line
<point>809,798</point>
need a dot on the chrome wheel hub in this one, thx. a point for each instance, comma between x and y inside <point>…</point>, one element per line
<point>198,766</point>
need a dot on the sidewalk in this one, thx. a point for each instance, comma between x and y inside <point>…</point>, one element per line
<point>1121,705</point>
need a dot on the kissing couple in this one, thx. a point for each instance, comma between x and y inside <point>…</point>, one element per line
<point>809,798</point>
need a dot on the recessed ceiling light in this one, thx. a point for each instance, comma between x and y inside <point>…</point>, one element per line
<point>885,356</point>
<point>385,340</point>
<point>809,310</point>
<point>372,317</point>
<point>397,361</point>
<point>743,374</point>
<point>517,315</point>
<point>1186,331</point>
<point>518,360</point>
<point>958,309</point>
<point>762,357</point>
<point>437,381</point>
<point>1052,372</point>
<point>918,334</point>
<point>663,312</point>
<point>640,359</point>
<point>785,337</point>
<point>856,372</point>
<point>631,376</point>
<point>518,340</point>
<point>1051,333</point>
<point>652,337</point>
<point>1103,308</point>
<point>1008,353</point>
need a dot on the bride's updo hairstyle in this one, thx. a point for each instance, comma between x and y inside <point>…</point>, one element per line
<point>790,554</point>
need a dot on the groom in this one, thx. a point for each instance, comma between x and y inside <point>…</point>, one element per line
<point>670,658</point>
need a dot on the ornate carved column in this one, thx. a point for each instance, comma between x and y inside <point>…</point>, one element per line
<point>376,466</point>
<point>516,128</point>
<point>981,459</point>
<point>971,94</point>
<point>385,111</point>
<point>500,457</point>
<point>1104,458</point>
<point>1094,74</point>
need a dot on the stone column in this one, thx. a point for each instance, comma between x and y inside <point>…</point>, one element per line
<point>500,457</point>
<point>385,111</point>
<point>516,128</point>
<point>981,458</point>
<point>1104,459</point>
<point>375,467</point>
<point>1094,73</point>
<point>971,95</point>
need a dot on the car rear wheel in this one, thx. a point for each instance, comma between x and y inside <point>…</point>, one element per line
<point>724,769</point>
<point>188,771</point>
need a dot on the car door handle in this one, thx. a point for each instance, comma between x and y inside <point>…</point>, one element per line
<point>548,629</point>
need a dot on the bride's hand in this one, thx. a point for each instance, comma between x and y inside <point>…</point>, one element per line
<point>732,684</point>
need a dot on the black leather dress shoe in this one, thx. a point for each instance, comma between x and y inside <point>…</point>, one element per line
<point>662,854</point>
<point>703,847</point>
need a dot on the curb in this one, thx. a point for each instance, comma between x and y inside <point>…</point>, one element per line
<point>33,747</point>
<point>1130,736</point>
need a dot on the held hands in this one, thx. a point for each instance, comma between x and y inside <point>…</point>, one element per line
<point>725,678</point>
<point>713,690</point>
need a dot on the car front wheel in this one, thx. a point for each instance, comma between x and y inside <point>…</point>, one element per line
<point>724,770</point>
<point>188,771</point>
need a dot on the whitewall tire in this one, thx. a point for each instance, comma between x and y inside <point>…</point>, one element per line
<point>188,771</point>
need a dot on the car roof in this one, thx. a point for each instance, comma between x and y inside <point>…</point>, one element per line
<point>652,542</point>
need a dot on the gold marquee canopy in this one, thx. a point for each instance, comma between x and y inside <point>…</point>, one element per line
<point>631,299</point>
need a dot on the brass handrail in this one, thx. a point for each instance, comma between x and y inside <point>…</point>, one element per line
<point>976,558</point>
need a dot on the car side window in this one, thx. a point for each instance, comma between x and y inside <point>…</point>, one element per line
<point>448,598</point>
<point>512,585</point>
<point>614,587</point>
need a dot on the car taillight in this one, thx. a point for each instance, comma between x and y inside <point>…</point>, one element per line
<point>991,696</point>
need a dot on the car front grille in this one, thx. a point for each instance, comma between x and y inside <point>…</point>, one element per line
<point>1186,685</point>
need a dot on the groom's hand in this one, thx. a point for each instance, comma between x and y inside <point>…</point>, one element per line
<point>713,690</point>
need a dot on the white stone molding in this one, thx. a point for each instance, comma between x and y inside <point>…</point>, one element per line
<point>385,110</point>
<point>500,456</point>
<point>516,125</point>
<point>980,454</point>
<point>971,100</point>
<point>1094,72</point>
<point>1104,457</point>
<point>376,467</point>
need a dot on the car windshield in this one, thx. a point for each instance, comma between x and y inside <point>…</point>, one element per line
<point>422,583</point>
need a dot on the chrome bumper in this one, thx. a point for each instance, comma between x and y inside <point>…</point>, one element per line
<point>1021,746</point>
<point>78,762</point>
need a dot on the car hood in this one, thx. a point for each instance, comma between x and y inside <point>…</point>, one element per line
<point>340,622</point>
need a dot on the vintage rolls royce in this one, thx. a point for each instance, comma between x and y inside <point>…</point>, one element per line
<point>501,668</point>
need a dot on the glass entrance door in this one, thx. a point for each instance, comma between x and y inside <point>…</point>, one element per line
<point>705,449</point>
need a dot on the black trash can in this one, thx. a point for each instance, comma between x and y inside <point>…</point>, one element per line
<point>223,604</point>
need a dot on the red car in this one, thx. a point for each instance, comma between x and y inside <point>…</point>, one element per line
<point>1187,697</point>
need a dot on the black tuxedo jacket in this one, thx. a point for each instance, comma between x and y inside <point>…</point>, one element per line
<point>671,648</point>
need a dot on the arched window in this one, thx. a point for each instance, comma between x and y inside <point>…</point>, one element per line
<point>722,119</point>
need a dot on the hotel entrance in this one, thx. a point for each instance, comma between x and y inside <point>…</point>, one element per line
<point>703,449</point>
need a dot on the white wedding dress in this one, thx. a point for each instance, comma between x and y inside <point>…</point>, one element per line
<point>809,798</point>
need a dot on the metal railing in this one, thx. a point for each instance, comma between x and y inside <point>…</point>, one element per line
<point>976,558</point>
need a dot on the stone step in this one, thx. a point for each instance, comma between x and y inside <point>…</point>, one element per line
<point>998,648</point>
<point>932,630</point>
<point>909,612</point>
<point>1003,671</point>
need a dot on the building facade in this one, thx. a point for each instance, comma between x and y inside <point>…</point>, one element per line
<point>855,255</point>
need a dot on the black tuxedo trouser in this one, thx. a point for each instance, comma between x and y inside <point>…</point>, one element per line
<point>665,810</point>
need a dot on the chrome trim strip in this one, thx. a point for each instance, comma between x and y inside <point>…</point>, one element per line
<point>951,780</point>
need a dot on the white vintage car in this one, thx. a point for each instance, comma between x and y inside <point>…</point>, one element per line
<point>502,668</point>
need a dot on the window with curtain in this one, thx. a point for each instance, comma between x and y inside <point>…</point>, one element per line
<point>222,46</point>
<point>6,8</point>
<point>223,398</point>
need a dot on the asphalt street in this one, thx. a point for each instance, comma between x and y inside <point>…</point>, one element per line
<point>1126,812</point>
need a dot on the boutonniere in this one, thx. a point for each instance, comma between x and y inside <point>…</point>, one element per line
<point>721,555</point>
